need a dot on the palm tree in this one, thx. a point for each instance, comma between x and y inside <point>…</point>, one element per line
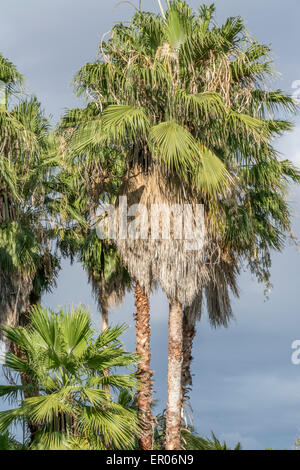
<point>86,189</point>
<point>146,283</point>
<point>66,364</point>
<point>182,101</point>
<point>24,172</point>
<point>28,265</point>
<point>109,279</point>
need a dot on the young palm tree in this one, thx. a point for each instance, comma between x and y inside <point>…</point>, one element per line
<point>182,101</point>
<point>65,363</point>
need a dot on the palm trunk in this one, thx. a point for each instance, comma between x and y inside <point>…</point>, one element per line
<point>24,320</point>
<point>104,316</point>
<point>143,334</point>
<point>25,380</point>
<point>188,334</point>
<point>15,290</point>
<point>174,400</point>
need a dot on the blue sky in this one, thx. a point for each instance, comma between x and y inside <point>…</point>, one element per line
<point>245,386</point>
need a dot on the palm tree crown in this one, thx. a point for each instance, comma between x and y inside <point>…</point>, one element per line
<point>66,396</point>
<point>184,102</point>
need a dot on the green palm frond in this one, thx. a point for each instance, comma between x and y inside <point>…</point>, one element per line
<point>175,146</point>
<point>65,368</point>
<point>124,122</point>
<point>191,441</point>
<point>212,176</point>
<point>202,104</point>
<point>10,75</point>
<point>10,417</point>
<point>275,101</point>
<point>249,125</point>
<point>19,248</point>
<point>11,392</point>
<point>110,335</point>
<point>177,28</point>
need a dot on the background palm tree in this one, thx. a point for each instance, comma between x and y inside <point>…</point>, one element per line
<point>183,102</point>
<point>106,273</point>
<point>25,169</point>
<point>87,189</point>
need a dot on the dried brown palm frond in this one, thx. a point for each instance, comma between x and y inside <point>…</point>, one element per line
<point>191,315</point>
<point>222,281</point>
<point>107,294</point>
<point>181,272</point>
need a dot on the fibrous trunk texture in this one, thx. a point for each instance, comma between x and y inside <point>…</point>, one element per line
<point>104,316</point>
<point>24,320</point>
<point>174,400</point>
<point>153,246</point>
<point>26,381</point>
<point>15,291</point>
<point>188,334</point>
<point>143,335</point>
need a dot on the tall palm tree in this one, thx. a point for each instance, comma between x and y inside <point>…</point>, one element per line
<point>87,188</point>
<point>182,101</point>
<point>107,275</point>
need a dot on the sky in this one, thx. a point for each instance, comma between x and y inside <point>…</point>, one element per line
<point>245,386</point>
